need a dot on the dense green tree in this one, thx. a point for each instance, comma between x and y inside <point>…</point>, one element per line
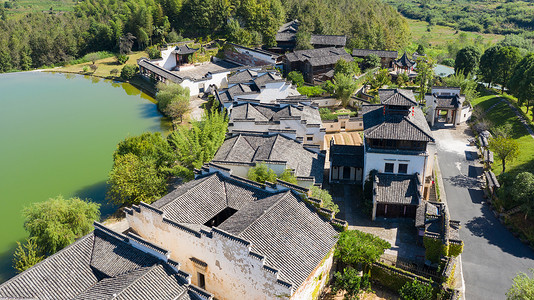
<point>371,61</point>
<point>173,100</point>
<point>261,173</point>
<point>467,60</point>
<point>415,290</point>
<point>506,60</point>
<point>148,146</point>
<point>325,196</point>
<point>198,144</point>
<point>288,176</point>
<point>349,68</point>
<point>350,282</point>
<point>133,179</point>
<point>128,72</point>
<point>488,65</point>
<point>345,88</point>
<point>521,83</point>
<point>522,287</point>
<point>523,191</point>
<point>506,149</point>
<point>468,86</point>
<point>378,80</point>
<point>425,76</point>
<point>26,255</point>
<point>303,40</point>
<point>296,78</point>
<point>359,249</point>
<point>58,222</point>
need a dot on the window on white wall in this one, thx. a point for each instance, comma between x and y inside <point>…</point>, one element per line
<point>403,168</point>
<point>389,167</point>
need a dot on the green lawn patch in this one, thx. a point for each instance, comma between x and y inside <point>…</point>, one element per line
<point>500,115</point>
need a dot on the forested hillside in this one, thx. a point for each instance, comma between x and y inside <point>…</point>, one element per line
<point>51,38</point>
<point>488,16</point>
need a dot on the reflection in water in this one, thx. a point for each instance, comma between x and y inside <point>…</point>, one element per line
<point>130,89</point>
<point>69,75</point>
<point>95,79</point>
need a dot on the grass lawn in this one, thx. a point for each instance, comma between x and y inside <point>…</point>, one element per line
<point>104,66</point>
<point>500,115</point>
<point>22,7</point>
<point>440,35</point>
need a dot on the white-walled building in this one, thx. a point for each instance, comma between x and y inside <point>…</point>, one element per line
<point>255,85</point>
<point>175,65</point>
<point>400,148</point>
<point>242,151</point>
<point>447,106</point>
<point>301,121</point>
<point>241,240</point>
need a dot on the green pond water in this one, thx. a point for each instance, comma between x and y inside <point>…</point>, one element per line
<point>57,136</point>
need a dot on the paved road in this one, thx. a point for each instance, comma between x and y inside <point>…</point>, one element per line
<point>492,255</point>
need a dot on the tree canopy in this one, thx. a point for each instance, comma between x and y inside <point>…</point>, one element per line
<point>506,149</point>
<point>58,222</point>
<point>356,248</point>
<point>506,59</point>
<point>26,255</point>
<point>325,196</point>
<point>173,100</point>
<point>467,60</point>
<point>521,82</point>
<point>196,145</point>
<point>522,287</point>
<point>415,290</point>
<point>141,167</point>
<point>261,173</point>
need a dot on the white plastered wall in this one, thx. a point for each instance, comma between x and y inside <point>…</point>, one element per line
<point>231,272</point>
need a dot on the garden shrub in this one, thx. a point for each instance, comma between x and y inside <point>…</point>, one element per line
<point>311,91</point>
<point>416,290</point>
<point>455,249</point>
<point>434,249</point>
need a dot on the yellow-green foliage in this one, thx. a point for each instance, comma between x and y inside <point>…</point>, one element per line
<point>455,250</point>
<point>389,278</point>
<point>434,249</point>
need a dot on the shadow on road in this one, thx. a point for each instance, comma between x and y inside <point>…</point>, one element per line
<point>488,227</point>
<point>476,195</point>
<point>463,181</point>
<point>471,155</point>
<point>475,171</point>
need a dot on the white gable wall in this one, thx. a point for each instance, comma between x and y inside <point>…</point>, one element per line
<point>231,272</point>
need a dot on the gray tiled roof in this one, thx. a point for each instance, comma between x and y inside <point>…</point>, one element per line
<point>251,148</point>
<point>454,101</point>
<point>330,40</point>
<point>301,240</point>
<point>145,63</point>
<point>242,76</point>
<point>397,97</point>
<point>404,61</point>
<point>321,56</point>
<point>287,31</point>
<point>273,112</point>
<point>379,53</point>
<point>101,265</point>
<point>397,189</point>
<point>291,236</point>
<point>268,77</point>
<point>184,50</point>
<point>378,125</point>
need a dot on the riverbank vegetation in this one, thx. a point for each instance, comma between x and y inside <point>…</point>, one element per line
<point>52,225</point>
<point>38,39</point>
